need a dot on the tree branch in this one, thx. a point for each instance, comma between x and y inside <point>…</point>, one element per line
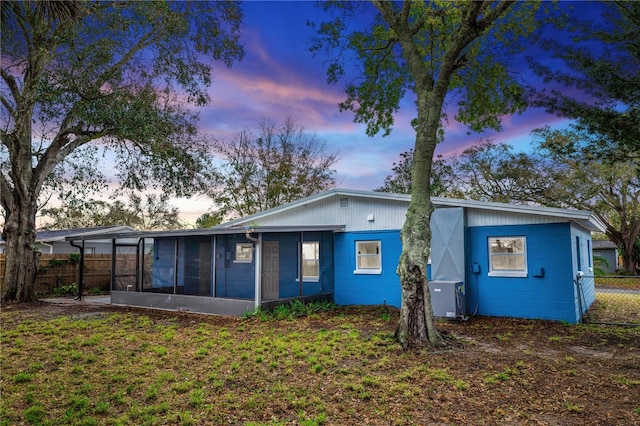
<point>144,42</point>
<point>6,198</point>
<point>495,13</point>
<point>15,92</point>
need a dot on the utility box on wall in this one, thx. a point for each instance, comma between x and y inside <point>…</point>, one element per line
<point>447,298</point>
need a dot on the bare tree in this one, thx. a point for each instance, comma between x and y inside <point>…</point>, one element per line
<point>275,166</point>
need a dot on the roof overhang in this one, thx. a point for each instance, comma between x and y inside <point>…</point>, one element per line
<point>586,219</point>
<point>209,232</point>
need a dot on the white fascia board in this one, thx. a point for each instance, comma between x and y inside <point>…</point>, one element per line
<point>315,198</point>
<point>81,234</point>
<point>592,221</point>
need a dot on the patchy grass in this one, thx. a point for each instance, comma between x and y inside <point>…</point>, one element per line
<point>82,365</point>
<point>618,281</point>
<point>615,308</point>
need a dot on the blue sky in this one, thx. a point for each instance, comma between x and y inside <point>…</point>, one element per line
<point>279,78</point>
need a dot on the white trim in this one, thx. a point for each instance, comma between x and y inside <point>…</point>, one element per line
<point>507,273</point>
<point>368,271</point>
<point>586,219</point>
<point>309,279</point>
<point>301,259</point>
<point>516,273</point>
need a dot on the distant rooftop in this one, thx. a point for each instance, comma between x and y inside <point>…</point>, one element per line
<point>603,244</point>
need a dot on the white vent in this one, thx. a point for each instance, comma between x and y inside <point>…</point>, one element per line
<point>344,202</point>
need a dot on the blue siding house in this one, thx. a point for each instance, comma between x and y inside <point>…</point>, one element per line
<point>505,260</point>
<point>490,259</point>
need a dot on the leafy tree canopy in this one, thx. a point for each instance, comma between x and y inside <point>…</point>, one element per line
<point>430,49</point>
<point>208,220</point>
<point>583,179</point>
<point>600,85</point>
<point>480,83</point>
<point>118,74</point>
<point>144,213</point>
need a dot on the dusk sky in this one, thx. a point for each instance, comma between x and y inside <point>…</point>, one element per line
<point>279,77</point>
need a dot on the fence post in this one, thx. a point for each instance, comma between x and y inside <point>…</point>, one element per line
<point>580,296</point>
<point>80,268</point>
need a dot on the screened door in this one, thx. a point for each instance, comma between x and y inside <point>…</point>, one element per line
<point>270,269</point>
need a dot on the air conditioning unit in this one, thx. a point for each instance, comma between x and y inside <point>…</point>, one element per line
<point>447,298</point>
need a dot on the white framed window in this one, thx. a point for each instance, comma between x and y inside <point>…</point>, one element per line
<point>310,260</point>
<point>368,257</point>
<point>244,253</point>
<point>507,256</point>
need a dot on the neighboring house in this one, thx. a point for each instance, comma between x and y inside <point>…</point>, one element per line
<point>58,241</point>
<point>487,258</point>
<point>608,251</point>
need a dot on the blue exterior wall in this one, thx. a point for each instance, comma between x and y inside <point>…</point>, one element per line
<point>560,249</point>
<point>552,296</point>
<point>233,279</point>
<point>582,255</point>
<point>365,289</point>
<point>325,281</point>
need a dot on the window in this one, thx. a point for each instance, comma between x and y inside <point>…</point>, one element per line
<point>507,256</point>
<point>368,259</point>
<point>244,252</point>
<point>311,261</point>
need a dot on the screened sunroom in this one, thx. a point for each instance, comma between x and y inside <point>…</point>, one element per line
<point>223,271</point>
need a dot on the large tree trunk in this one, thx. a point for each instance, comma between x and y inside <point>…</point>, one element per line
<point>20,269</point>
<point>417,326</point>
<point>625,241</point>
<point>629,261</point>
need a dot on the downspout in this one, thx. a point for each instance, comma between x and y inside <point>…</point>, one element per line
<point>258,264</point>
<point>258,268</point>
<point>80,269</point>
<point>579,292</point>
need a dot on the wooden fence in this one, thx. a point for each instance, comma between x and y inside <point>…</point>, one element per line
<point>58,270</point>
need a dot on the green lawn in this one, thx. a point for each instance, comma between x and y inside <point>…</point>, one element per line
<point>90,365</point>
